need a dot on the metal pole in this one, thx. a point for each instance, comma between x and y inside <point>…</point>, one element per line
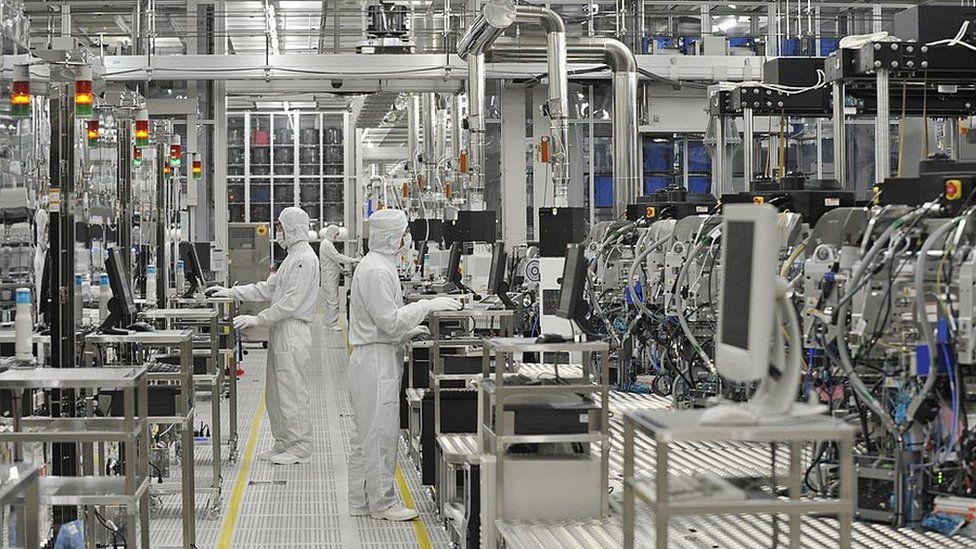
<point>718,163</point>
<point>64,457</point>
<point>162,224</point>
<point>882,129</point>
<point>840,136</point>
<point>476,130</point>
<point>626,150</point>
<point>748,145</point>
<point>124,190</point>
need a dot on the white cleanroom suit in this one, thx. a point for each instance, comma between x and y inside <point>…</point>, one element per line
<point>292,292</point>
<point>379,323</point>
<point>332,261</point>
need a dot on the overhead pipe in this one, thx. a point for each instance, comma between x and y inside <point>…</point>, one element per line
<point>429,121</point>
<point>496,16</point>
<point>623,64</point>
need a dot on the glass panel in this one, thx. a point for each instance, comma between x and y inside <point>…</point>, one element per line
<point>332,191</point>
<point>284,129</point>
<point>309,191</point>
<point>260,130</point>
<point>260,191</point>
<point>284,193</point>
<point>309,145</point>
<point>235,191</point>
<point>261,213</point>
<point>312,210</point>
<point>260,160</point>
<point>236,213</point>
<point>333,213</point>
<point>284,159</point>
<point>278,208</point>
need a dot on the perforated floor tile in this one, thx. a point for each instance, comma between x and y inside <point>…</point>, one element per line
<point>301,506</point>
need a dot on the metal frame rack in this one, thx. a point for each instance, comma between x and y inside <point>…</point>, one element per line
<point>228,352</point>
<point>162,340</point>
<point>457,451</point>
<point>305,165</point>
<point>19,485</point>
<point>131,430</point>
<point>212,381</point>
<point>495,438</point>
<point>668,428</point>
<point>862,79</point>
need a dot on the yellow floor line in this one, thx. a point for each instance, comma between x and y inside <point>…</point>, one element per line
<point>423,540</point>
<point>227,533</point>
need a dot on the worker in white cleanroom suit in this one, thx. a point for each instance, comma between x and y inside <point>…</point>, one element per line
<point>379,325</point>
<point>292,291</point>
<point>331,261</point>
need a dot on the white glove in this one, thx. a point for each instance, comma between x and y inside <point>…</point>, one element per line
<point>415,333</point>
<point>443,304</point>
<point>243,322</point>
<point>217,291</point>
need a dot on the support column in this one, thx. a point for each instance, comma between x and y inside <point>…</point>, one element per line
<point>219,159</point>
<point>541,180</point>
<point>513,167</point>
<point>882,129</point>
<point>748,146</point>
<point>840,136</point>
<point>64,457</point>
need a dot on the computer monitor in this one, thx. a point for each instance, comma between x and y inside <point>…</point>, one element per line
<point>747,298</point>
<point>572,284</point>
<point>204,252</point>
<point>122,305</point>
<point>192,268</point>
<point>421,255</point>
<point>496,272</point>
<point>453,272</point>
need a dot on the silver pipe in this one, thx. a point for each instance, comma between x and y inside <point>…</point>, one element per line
<point>840,136</point>
<point>430,155</point>
<point>413,133</point>
<point>476,130</point>
<point>496,16</point>
<point>882,129</point>
<point>748,145</point>
<point>456,125</point>
<point>626,148</point>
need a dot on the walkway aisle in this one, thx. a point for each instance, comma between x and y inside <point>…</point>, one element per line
<point>301,506</point>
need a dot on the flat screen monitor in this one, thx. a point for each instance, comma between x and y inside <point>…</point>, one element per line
<point>496,272</point>
<point>122,305</point>
<point>572,284</point>
<point>747,297</point>
<point>453,273</point>
<point>421,256</point>
<point>192,267</point>
<point>204,250</point>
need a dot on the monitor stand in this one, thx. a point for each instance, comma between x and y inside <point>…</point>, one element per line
<point>116,318</point>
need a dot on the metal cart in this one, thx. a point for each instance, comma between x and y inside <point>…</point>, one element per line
<point>131,489</point>
<point>183,341</point>
<point>702,496</point>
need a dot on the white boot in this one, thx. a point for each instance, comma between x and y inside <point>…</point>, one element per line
<point>288,458</point>
<point>397,513</point>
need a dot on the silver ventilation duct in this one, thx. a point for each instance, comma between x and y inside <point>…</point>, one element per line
<point>623,64</point>
<point>496,16</point>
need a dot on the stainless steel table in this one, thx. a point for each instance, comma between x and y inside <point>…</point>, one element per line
<point>226,309</point>
<point>496,438</point>
<point>667,428</point>
<point>167,339</point>
<point>212,381</point>
<point>131,431</point>
<point>19,486</point>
